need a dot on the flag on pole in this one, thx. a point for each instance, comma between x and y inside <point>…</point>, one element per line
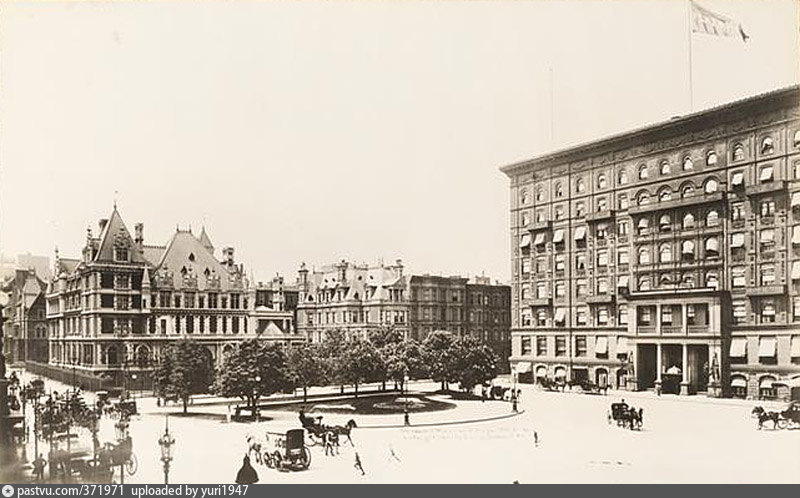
<point>710,23</point>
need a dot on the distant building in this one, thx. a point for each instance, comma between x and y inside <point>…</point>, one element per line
<point>26,326</point>
<point>667,257</point>
<point>116,308</point>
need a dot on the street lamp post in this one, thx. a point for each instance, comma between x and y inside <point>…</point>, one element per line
<point>256,411</point>
<point>406,420</point>
<point>166,441</point>
<point>133,378</point>
<point>121,428</point>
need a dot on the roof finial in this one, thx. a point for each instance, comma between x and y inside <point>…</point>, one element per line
<point>116,193</point>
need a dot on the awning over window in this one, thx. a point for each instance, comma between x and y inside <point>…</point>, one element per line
<point>766,383</point>
<point>795,270</point>
<point>795,349</point>
<point>525,241</point>
<point>561,313</point>
<point>558,236</point>
<point>795,199</point>
<point>623,281</point>
<point>539,239</point>
<point>738,382</point>
<point>622,344</point>
<point>643,223</point>
<point>580,233</point>
<point>766,174</point>
<point>687,247</point>
<point>738,179</point>
<point>601,345</point>
<point>737,240</point>
<point>712,245</point>
<point>766,347</point>
<point>738,347</point>
<point>796,235</point>
<point>523,367</point>
<point>767,236</point>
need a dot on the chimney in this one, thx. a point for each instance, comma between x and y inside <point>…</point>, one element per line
<point>103,222</point>
<point>139,231</point>
<point>228,253</point>
<point>342,270</point>
<point>399,267</point>
<point>303,274</point>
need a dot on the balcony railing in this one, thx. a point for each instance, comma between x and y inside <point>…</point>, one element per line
<point>646,329</point>
<point>764,188</point>
<point>766,290</point>
<point>600,215</point>
<point>671,329</point>
<point>686,201</point>
<point>600,299</point>
<point>697,329</point>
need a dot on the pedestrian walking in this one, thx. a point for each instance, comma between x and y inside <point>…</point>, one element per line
<point>406,419</point>
<point>38,467</point>
<point>229,413</point>
<point>247,474</point>
<point>357,465</point>
<point>536,439</point>
<point>514,405</point>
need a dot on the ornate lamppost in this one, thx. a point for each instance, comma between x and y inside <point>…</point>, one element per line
<point>256,411</point>
<point>166,442</point>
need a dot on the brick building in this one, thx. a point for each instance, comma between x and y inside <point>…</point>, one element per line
<point>668,256</point>
<point>26,328</point>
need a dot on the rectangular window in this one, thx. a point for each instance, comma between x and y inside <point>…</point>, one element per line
<point>767,274</point>
<point>561,345</point>
<point>541,265</point>
<point>602,231</point>
<point>224,324</point>
<point>189,298</point>
<point>739,311</point>
<point>580,262</point>
<point>666,315</point>
<point>541,346</point>
<point>122,302</point>
<point>212,300</point>
<point>177,325</point>
<point>560,266</point>
<point>602,286</point>
<point>526,266</point>
<point>190,325</point>
<point>541,290</point>
<point>602,258</point>
<point>622,228</point>
<point>212,324</point>
<point>580,287</point>
<point>645,315</point>
<point>622,255</point>
<point>602,316</point>
<point>202,324</point>
<point>560,289</point>
<point>580,345</point>
<point>580,316</point>
<point>767,311</point>
<point>120,254</point>
<point>106,300</point>
<point>526,346</point>
<point>796,309</point>
<point>768,208</point>
<point>235,324</point>
<point>623,315</point>
<point>106,280</point>
<point>106,325</point>
<point>224,302</point>
<point>738,274</point>
<point>177,300</point>
<point>737,211</point>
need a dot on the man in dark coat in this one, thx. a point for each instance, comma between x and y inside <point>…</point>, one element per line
<point>247,474</point>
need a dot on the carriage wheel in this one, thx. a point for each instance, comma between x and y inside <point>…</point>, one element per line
<point>277,459</point>
<point>306,462</point>
<point>132,465</point>
<point>267,458</point>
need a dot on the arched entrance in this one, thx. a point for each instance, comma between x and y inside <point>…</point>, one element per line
<point>622,378</point>
<point>601,377</point>
<point>541,373</point>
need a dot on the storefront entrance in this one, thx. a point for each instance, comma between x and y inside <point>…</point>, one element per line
<point>646,366</point>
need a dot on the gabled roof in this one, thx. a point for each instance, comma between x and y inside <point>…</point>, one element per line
<point>206,241</point>
<point>185,251</point>
<point>68,265</point>
<point>115,232</point>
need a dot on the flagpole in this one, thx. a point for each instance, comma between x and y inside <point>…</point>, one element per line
<point>552,118</point>
<point>689,45</point>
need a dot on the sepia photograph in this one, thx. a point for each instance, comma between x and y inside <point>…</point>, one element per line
<point>399,242</point>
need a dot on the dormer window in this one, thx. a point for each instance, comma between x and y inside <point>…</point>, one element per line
<point>191,256</point>
<point>121,254</point>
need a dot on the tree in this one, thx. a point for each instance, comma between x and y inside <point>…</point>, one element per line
<point>185,369</point>
<point>385,335</point>
<point>360,362</point>
<point>439,348</point>
<point>404,358</point>
<point>306,368</point>
<point>254,369</point>
<point>475,363</point>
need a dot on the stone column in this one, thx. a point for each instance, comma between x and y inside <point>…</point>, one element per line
<point>658,324</point>
<point>658,362</point>
<point>685,371</point>
<point>684,318</point>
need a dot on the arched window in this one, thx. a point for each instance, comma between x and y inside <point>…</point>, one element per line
<point>523,197</point>
<point>688,165</point>
<point>539,194</point>
<point>601,181</point>
<point>796,139</point>
<point>526,218</point>
<point>580,185</point>
<point>712,218</point>
<point>687,280</point>
<point>687,250</point>
<point>711,186</point>
<point>142,356</point>
<point>712,247</point>
<point>664,195</point>
<point>665,281</point>
<point>712,280</point>
<point>711,158</point>
<point>644,256</point>
<point>738,152</point>
<point>767,145</point>
<point>688,221</point>
<point>643,225</point>
<point>623,177</point>
<point>644,283</point>
<point>664,168</point>
<point>687,190</point>
<point>559,190</point>
<point>642,172</point>
<point>642,198</point>
<point>602,204</point>
<point>664,223</point>
<point>623,201</point>
<point>665,253</point>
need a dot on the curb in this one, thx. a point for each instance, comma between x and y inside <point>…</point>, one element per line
<point>437,424</point>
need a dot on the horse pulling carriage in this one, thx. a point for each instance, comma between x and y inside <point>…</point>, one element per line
<point>283,451</point>
<point>318,433</point>
<point>625,416</point>
<point>785,419</point>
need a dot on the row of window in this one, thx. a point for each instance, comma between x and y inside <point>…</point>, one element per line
<point>558,316</point>
<point>360,316</point>
<point>580,350</point>
<point>193,300</point>
<point>664,168</point>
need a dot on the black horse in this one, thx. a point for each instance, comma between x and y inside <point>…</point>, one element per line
<point>763,415</point>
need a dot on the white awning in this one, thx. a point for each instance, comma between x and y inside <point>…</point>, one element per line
<point>561,313</point>
<point>795,199</point>
<point>687,247</point>
<point>766,383</point>
<point>558,236</point>
<point>525,241</point>
<point>622,281</point>
<point>712,245</point>
<point>738,382</point>
<point>795,348</point>
<point>766,174</point>
<point>673,370</point>
<point>539,239</point>
<point>523,367</point>
<point>643,223</point>
<point>737,240</point>
<point>580,233</point>
<point>796,235</point>
<point>738,347</point>
<point>622,344</point>
<point>767,235</point>
<point>738,178</point>
<point>766,347</point>
<point>601,345</point>
<point>795,270</point>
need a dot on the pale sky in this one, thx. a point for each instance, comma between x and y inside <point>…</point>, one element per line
<point>316,131</point>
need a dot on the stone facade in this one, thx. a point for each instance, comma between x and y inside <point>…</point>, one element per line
<point>26,328</point>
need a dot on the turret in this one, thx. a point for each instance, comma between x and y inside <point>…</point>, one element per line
<point>139,234</point>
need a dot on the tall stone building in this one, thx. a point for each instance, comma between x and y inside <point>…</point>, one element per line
<point>113,311</point>
<point>26,328</point>
<point>668,256</point>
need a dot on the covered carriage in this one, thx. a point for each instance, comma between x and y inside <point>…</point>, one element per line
<point>286,451</point>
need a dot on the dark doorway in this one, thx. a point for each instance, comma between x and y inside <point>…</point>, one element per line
<point>580,374</point>
<point>646,366</point>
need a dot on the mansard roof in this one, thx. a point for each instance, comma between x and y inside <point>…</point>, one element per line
<point>186,255</point>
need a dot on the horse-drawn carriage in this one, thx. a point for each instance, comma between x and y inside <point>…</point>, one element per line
<point>787,418</point>
<point>625,416</point>
<point>318,432</point>
<point>282,451</point>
